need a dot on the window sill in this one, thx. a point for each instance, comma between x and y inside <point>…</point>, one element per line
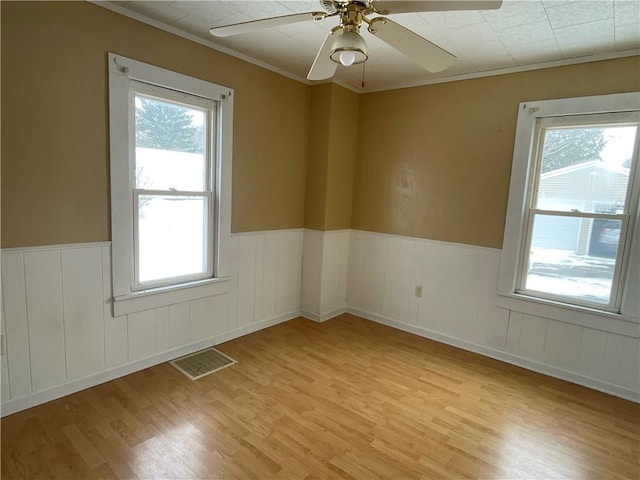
<point>586,317</point>
<point>163,296</point>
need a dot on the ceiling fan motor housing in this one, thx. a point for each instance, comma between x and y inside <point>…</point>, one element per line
<point>334,6</point>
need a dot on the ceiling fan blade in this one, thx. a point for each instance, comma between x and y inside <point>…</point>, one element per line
<point>426,54</point>
<point>406,6</point>
<point>323,67</point>
<point>271,22</point>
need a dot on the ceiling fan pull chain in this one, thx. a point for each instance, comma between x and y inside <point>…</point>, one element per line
<point>364,65</point>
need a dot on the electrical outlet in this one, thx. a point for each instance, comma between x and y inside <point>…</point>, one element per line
<point>418,291</point>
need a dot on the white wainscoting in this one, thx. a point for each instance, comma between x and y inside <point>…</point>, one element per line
<point>457,307</point>
<point>324,273</point>
<point>60,336</point>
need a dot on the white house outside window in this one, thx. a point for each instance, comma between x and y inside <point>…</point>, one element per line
<point>571,234</point>
<point>170,185</point>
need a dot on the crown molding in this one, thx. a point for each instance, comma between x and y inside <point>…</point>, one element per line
<point>228,51</point>
<point>194,38</point>
<point>505,71</point>
<point>455,78</point>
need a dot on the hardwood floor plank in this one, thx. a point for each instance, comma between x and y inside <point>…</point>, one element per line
<point>84,448</point>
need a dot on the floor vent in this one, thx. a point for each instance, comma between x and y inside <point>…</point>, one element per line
<point>202,363</point>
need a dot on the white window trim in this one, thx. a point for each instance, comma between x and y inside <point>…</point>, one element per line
<point>626,322</point>
<point>125,300</point>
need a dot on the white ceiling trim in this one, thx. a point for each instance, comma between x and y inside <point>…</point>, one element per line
<point>488,73</point>
<point>194,38</point>
<point>504,71</point>
<point>181,33</point>
<point>340,83</point>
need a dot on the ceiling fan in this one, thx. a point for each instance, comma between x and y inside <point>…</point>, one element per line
<point>344,45</point>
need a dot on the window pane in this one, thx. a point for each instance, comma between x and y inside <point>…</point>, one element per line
<point>573,257</point>
<point>172,237</point>
<point>585,169</point>
<point>170,146</point>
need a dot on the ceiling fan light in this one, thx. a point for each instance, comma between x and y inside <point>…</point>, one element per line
<point>347,57</point>
<point>349,48</point>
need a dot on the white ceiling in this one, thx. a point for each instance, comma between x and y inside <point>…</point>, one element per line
<point>520,34</point>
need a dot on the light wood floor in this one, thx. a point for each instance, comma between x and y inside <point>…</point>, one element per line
<point>343,399</point>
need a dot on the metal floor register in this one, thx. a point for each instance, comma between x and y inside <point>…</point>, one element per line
<point>203,363</point>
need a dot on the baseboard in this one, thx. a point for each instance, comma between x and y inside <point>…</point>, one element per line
<point>310,316</point>
<point>323,317</point>
<point>19,404</point>
<point>37,398</point>
<point>532,365</point>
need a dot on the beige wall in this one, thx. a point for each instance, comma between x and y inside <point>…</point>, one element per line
<point>55,164</point>
<point>342,158</point>
<point>435,161</point>
<point>431,162</point>
<point>317,165</point>
<point>333,129</point>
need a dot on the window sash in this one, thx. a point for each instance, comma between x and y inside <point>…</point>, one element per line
<point>542,124</point>
<point>615,296</point>
<point>212,132</point>
<point>208,231</point>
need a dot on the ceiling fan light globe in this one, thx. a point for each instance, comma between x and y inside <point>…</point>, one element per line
<point>349,48</point>
<point>347,57</point>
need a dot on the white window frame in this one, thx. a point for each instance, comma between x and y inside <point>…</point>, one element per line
<point>625,318</point>
<point>125,77</point>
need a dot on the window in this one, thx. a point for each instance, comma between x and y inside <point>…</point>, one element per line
<point>170,185</point>
<point>173,188</point>
<point>573,204</point>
